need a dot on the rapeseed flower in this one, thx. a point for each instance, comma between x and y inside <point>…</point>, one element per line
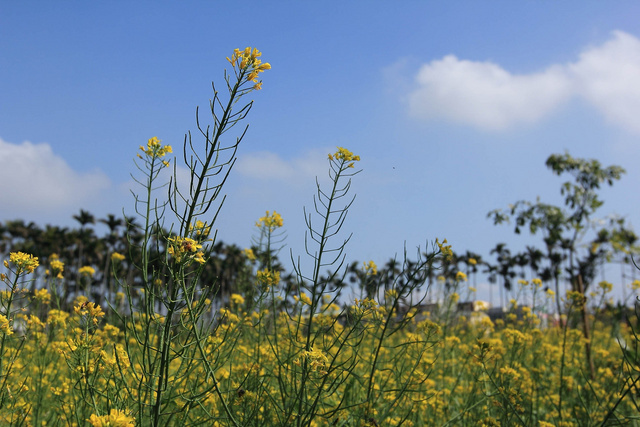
<point>344,156</point>
<point>5,325</point>
<point>268,278</point>
<point>270,221</point>
<point>248,63</point>
<point>185,248</point>
<point>461,277</point>
<point>23,262</point>
<point>117,257</point>
<point>87,271</point>
<point>370,268</point>
<point>249,254</point>
<point>116,418</point>
<point>155,150</point>
<point>445,249</point>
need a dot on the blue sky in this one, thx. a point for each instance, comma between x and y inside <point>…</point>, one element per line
<point>452,106</point>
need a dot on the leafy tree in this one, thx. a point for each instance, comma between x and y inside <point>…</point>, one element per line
<point>565,228</point>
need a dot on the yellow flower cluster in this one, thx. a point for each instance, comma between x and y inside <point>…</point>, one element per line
<point>200,230</point>
<point>344,156</point>
<point>43,296</point>
<point>461,277</point>
<point>268,278</point>
<point>117,257</point>
<point>23,262</point>
<point>116,418</point>
<point>247,61</point>
<point>5,325</point>
<point>316,360</point>
<point>236,299</point>
<point>270,221</point>
<point>445,249</point>
<point>56,266</point>
<point>87,271</point>
<point>370,268</point>
<point>83,308</point>
<point>155,150</point>
<point>185,248</point>
<point>249,254</point>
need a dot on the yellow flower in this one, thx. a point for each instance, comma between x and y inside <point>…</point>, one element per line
<point>116,257</point>
<point>455,297</point>
<point>472,261</point>
<point>537,282</point>
<point>155,149</point>
<point>270,221</point>
<point>42,295</point>
<point>23,262</point>
<point>461,277</point>
<point>5,326</point>
<point>268,278</point>
<point>185,247</point>
<point>344,156</point>
<point>370,268</point>
<point>445,249</point>
<point>200,230</point>
<point>87,271</point>
<point>605,286</point>
<point>247,62</point>
<point>57,267</point>
<point>304,298</point>
<point>249,254</point>
<point>237,299</point>
<point>116,418</point>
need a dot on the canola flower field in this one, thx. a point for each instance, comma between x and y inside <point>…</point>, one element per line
<point>163,350</point>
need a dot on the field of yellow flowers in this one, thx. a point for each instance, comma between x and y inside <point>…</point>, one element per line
<point>165,349</point>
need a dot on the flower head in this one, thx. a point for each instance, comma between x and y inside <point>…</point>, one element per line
<point>87,271</point>
<point>344,156</point>
<point>117,257</point>
<point>461,277</point>
<point>155,150</point>
<point>116,418</point>
<point>247,62</point>
<point>185,248</point>
<point>445,249</point>
<point>370,268</point>
<point>23,262</point>
<point>270,221</point>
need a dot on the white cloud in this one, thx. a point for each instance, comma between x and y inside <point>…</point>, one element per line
<point>485,95</point>
<point>608,77</point>
<point>37,181</point>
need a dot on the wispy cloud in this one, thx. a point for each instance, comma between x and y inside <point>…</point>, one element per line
<point>37,180</point>
<point>486,96</point>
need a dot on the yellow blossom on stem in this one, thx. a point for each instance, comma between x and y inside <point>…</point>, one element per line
<point>268,278</point>
<point>23,262</point>
<point>116,418</point>
<point>42,295</point>
<point>117,257</point>
<point>270,221</point>
<point>461,277</point>
<point>5,326</point>
<point>247,62</point>
<point>605,286</point>
<point>236,299</point>
<point>370,268</point>
<point>249,254</point>
<point>183,248</point>
<point>156,150</point>
<point>445,249</point>
<point>87,271</point>
<point>344,157</point>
